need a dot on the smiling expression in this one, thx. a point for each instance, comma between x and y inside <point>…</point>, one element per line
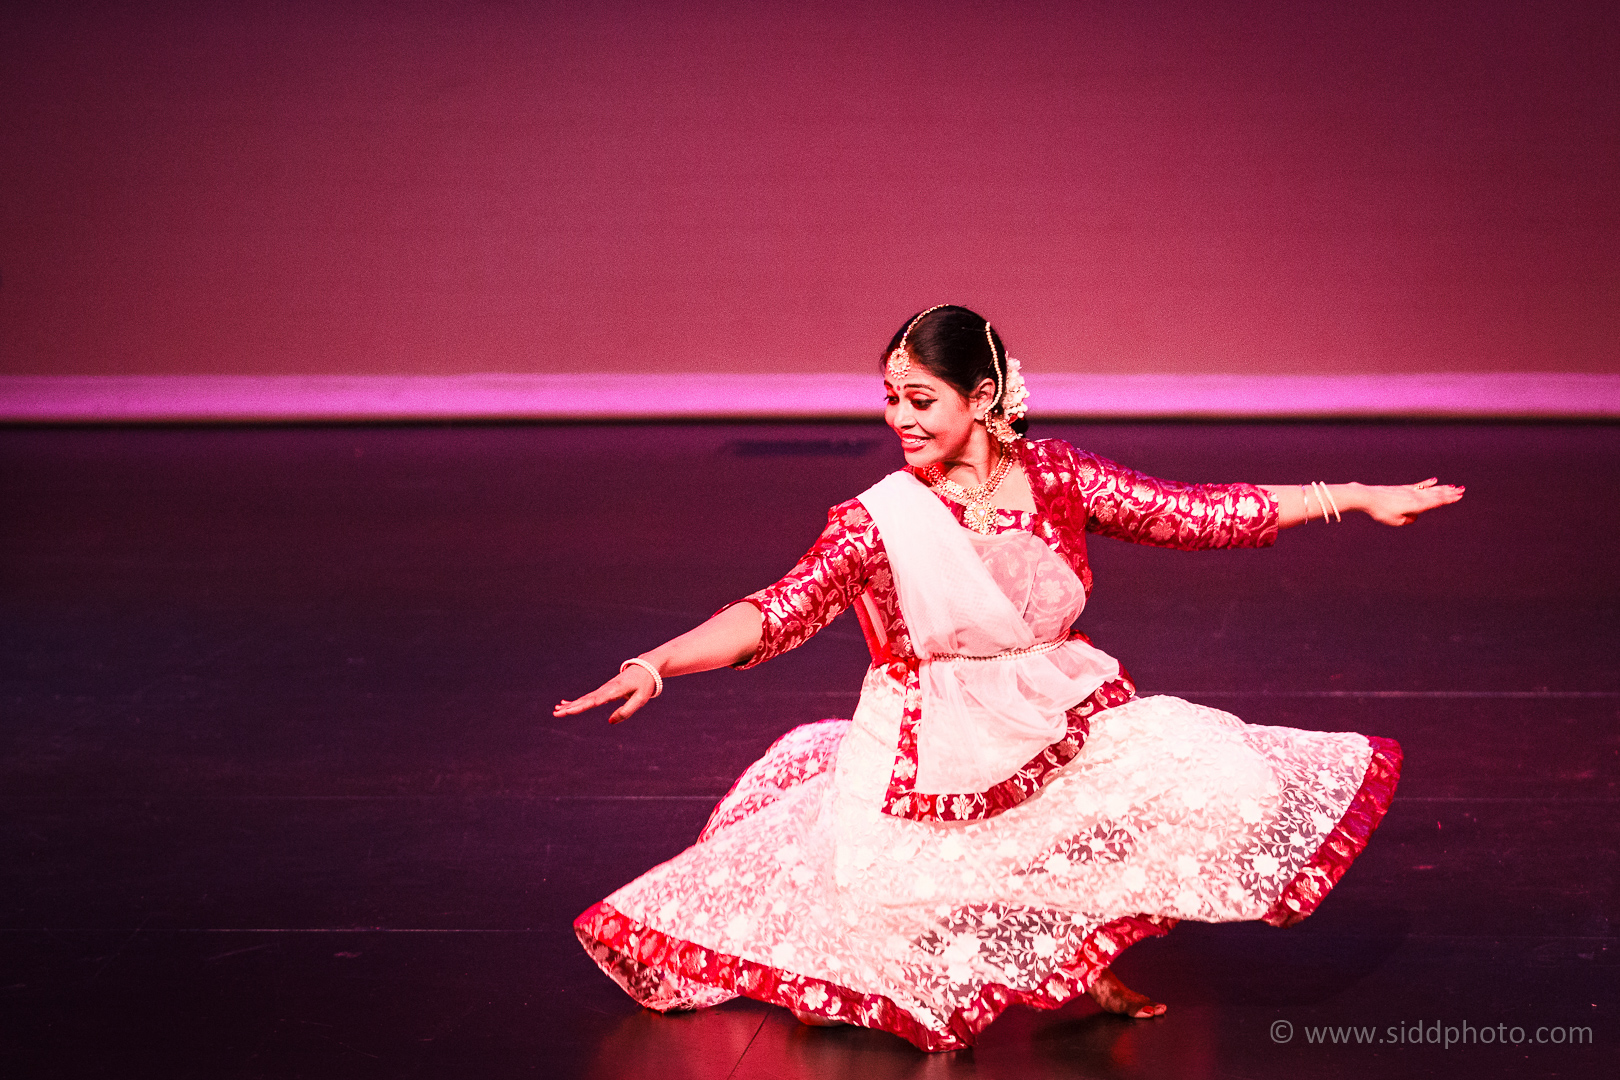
<point>935,422</point>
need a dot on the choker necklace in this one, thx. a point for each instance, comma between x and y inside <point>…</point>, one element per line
<point>978,514</point>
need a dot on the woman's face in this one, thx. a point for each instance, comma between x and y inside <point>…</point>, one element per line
<point>935,422</point>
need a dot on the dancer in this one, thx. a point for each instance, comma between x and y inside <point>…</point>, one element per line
<point>1003,815</point>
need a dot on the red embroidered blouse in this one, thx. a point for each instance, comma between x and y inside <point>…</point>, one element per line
<point>1075,493</point>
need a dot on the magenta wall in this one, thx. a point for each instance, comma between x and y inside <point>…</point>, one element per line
<point>453,187</point>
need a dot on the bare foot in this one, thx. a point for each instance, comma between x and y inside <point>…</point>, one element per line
<point>813,1020</point>
<point>1115,997</point>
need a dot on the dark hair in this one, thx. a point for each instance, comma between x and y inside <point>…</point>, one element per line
<point>950,342</point>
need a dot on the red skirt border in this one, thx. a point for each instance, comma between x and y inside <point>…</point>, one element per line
<point>633,943</point>
<point>641,945</point>
<point>1349,837</point>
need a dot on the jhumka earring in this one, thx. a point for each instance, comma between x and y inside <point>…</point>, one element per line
<point>1006,401</point>
<point>1000,430</point>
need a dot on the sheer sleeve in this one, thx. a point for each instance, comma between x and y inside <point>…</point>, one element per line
<point>1130,505</point>
<point>825,581</point>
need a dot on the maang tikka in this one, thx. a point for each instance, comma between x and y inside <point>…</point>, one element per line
<point>899,363</point>
<point>1011,394</point>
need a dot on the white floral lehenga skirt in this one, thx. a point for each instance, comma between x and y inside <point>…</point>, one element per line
<point>801,892</point>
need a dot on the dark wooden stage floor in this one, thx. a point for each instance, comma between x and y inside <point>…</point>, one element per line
<point>283,797</point>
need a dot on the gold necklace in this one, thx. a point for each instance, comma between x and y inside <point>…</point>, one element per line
<point>977,512</point>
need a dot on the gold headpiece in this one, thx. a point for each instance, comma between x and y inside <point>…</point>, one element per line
<point>1012,396</point>
<point>899,364</point>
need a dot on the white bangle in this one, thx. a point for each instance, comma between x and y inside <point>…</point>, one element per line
<point>1333,503</point>
<point>658,680</point>
<point>1325,497</point>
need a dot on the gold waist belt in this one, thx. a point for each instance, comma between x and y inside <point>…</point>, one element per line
<point>1010,654</point>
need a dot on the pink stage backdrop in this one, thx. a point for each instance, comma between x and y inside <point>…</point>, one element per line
<point>442,188</point>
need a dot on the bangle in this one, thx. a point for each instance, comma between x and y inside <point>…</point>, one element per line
<point>646,665</point>
<point>1305,500</point>
<point>1325,498</point>
<point>1333,503</point>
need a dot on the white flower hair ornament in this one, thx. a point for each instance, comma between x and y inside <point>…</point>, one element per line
<point>1015,395</point>
<point>1011,394</point>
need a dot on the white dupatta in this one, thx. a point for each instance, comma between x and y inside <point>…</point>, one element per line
<point>965,595</point>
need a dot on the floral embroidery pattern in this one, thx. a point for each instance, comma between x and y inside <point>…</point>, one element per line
<point>653,966</point>
<point>1073,493</point>
<point>929,931</point>
<point>845,560</point>
<point>903,800</point>
<point>824,882</point>
<point>805,752</point>
<point>1349,837</point>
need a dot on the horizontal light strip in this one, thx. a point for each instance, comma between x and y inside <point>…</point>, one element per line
<point>710,800</point>
<point>1512,694</point>
<point>425,796</point>
<point>806,396</point>
<point>1530,695</point>
<point>568,930</point>
<point>1562,800</point>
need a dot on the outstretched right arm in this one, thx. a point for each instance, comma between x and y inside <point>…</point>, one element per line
<point>728,638</point>
<point>767,623</point>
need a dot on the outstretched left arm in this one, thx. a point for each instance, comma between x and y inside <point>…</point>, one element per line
<point>1392,505</point>
<point>1132,506</point>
